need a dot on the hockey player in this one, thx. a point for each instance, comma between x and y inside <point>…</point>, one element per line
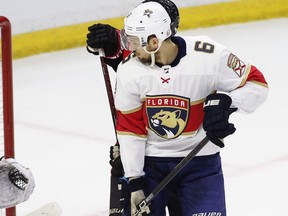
<point>16,183</point>
<point>106,37</point>
<point>168,98</point>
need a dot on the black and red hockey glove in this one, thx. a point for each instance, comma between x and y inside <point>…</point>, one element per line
<point>102,36</point>
<point>217,111</point>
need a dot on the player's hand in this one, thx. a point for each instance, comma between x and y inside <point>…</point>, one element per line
<point>115,161</point>
<point>104,37</point>
<point>217,111</point>
<point>132,195</point>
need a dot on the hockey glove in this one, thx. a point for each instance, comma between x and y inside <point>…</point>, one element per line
<point>104,37</point>
<point>16,183</point>
<point>217,111</point>
<point>132,194</point>
<point>115,161</point>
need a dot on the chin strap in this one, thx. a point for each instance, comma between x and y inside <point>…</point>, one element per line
<point>152,53</point>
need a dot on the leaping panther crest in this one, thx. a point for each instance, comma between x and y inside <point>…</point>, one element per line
<point>167,115</point>
<point>170,122</point>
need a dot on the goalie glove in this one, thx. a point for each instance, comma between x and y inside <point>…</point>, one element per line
<point>16,183</point>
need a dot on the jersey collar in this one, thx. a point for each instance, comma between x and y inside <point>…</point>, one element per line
<point>181,51</point>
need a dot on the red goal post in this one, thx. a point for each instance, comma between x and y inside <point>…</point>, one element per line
<point>6,98</point>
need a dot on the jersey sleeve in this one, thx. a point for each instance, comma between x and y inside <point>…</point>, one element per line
<point>244,82</point>
<point>131,129</point>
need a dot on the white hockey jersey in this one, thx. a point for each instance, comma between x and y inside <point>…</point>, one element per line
<point>160,108</point>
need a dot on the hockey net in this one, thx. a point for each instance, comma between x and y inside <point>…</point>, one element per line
<point>6,98</point>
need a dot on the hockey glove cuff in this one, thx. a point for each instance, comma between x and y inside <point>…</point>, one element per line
<point>217,111</point>
<point>115,161</point>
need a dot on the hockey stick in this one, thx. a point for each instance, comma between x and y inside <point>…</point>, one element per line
<point>115,208</point>
<point>108,89</point>
<point>147,201</point>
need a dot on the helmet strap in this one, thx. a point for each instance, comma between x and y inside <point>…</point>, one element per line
<point>152,53</point>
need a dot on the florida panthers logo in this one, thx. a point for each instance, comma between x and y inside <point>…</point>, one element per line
<point>170,122</point>
<point>167,115</point>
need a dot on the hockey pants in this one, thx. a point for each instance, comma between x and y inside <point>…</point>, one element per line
<point>199,184</point>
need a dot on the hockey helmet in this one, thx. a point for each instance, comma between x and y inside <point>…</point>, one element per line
<point>149,18</point>
<point>172,11</point>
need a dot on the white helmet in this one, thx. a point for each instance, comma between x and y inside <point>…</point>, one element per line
<point>148,18</point>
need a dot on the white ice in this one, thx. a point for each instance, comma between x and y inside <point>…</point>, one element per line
<point>63,127</point>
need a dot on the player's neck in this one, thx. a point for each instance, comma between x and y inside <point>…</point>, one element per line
<point>167,52</point>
